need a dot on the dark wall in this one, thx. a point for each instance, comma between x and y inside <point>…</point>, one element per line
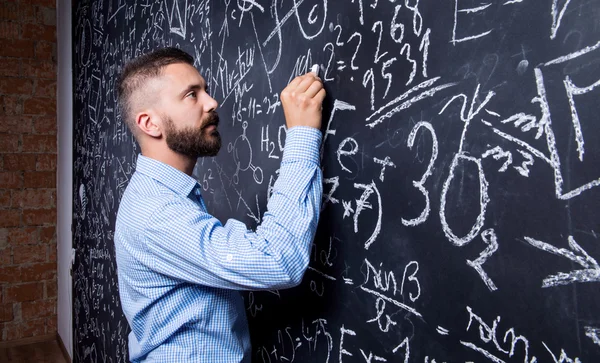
<point>461,160</point>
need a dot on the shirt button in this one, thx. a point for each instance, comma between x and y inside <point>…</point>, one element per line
<point>229,257</point>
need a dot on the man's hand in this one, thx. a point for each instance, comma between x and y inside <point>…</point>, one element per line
<point>302,101</point>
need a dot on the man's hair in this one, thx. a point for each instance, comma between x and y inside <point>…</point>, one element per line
<point>140,70</point>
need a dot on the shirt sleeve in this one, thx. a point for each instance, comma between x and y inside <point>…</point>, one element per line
<point>189,244</point>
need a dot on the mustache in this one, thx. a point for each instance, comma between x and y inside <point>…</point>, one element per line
<point>211,120</point>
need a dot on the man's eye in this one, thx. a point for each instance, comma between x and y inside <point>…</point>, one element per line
<point>192,94</point>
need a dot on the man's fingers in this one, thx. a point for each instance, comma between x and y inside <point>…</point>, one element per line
<point>320,96</point>
<point>295,82</point>
<point>302,101</point>
<point>307,80</point>
<point>314,88</point>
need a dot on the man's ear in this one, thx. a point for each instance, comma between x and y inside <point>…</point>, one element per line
<point>149,123</point>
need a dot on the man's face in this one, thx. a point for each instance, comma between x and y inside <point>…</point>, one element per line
<point>192,141</point>
<point>188,112</point>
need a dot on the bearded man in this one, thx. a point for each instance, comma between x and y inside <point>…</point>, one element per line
<point>180,270</point>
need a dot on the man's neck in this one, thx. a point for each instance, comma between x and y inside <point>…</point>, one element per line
<point>165,155</point>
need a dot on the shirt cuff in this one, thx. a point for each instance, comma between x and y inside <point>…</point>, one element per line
<point>302,143</point>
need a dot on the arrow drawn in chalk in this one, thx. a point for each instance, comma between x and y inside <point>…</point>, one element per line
<point>591,273</point>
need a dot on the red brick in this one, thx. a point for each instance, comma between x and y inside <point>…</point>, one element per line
<point>46,162</point>
<point>9,143</point>
<point>38,271</point>
<point>39,106</point>
<point>16,124</point>
<point>10,67</point>
<point>6,312</point>
<point>10,218</point>
<point>9,10</point>
<point>52,251</point>
<point>39,143</point>
<point>14,162</point>
<point>24,292</point>
<point>29,254</point>
<point>5,256</point>
<point>4,238</point>
<point>39,69</point>
<point>16,86</point>
<point>28,13</point>
<point>33,198</point>
<point>53,198</point>
<point>39,217</point>
<point>39,179</point>
<point>11,106</point>
<point>45,124</point>
<point>9,29</point>
<point>10,179</point>
<point>48,15</point>
<point>45,88</point>
<point>12,331</point>
<point>18,48</point>
<point>45,50</point>
<point>23,236</point>
<point>47,234</point>
<point>33,328</point>
<point>39,32</point>
<point>51,288</point>
<point>51,325</point>
<point>10,274</point>
<point>4,198</point>
<point>38,309</point>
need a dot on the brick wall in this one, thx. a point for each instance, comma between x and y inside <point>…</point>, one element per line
<point>27,168</point>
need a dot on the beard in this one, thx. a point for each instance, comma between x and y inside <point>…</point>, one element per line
<point>194,142</point>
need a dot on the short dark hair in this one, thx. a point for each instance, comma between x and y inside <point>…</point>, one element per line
<point>138,71</point>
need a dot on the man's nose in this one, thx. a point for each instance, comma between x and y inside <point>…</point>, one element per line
<point>210,104</point>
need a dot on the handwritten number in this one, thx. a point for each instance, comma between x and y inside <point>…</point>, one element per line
<point>368,76</point>
<point>327,70</point>
<point>337,40</point>
<point>420,184</point>
<point>388,75</point>
<point>395,26</point>
<point>272,146</point>
<point>417,18</point>
<point>374,29</point>
<point>356,51</point>
<point>424,47</point>
<point>205,180</point>
<point>406,49</point>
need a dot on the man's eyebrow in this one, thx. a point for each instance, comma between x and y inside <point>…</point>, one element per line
<point>193,87</point>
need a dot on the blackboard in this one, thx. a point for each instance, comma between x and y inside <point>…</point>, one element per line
<point>461,163</point>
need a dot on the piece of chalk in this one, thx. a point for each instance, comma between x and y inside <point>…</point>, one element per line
<point>315,69</point>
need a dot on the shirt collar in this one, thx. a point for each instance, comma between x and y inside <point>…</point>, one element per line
<point>172,178</point>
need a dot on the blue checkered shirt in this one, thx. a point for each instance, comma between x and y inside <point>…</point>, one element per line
<point>180,270</point>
